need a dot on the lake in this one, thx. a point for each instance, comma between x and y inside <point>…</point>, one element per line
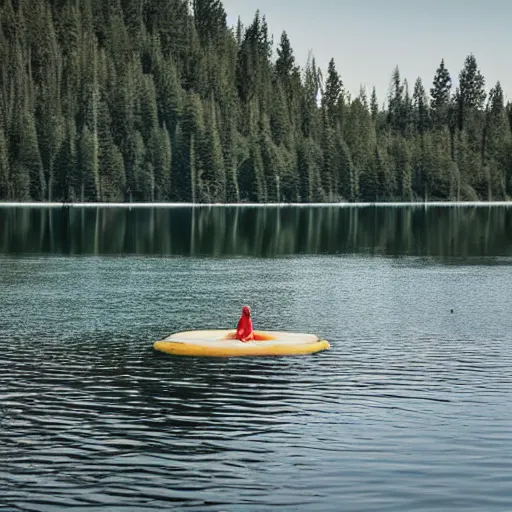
<point>408,411</point>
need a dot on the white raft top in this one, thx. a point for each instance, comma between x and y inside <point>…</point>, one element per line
<point>215,338</point>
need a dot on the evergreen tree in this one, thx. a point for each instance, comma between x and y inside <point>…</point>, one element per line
<point>472,84</point>
<point>250,177</point>
<point>285,63</point>
<point>88,165</point>
<point>440,94</point>
<point>401,160</point>
<point>349,173</point>
<point>396,118</point>
<point>420,106</point>
<point>333,93</point>
<point>215,173</point>
<point>210,20</point>
<point>279,118</point>
<point>407,113</point>
<point>496,145</point>
<point>159,157</point>
<point>308,158</point>
<point>309,99</point>
<point>136,166</point>
<point>470,95</point>
<point>30,159</point>
<point>360,136</point>
<point>330,163</point>
<point>368,182</point>
<point>67,186</point>
<point>374,106</point>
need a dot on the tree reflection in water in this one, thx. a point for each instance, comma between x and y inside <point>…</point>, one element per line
<point>260,232</point>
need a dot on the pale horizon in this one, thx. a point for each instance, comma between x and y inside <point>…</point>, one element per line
<point>368,39</point>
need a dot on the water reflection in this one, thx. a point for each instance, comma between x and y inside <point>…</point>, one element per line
<point>261,232</point>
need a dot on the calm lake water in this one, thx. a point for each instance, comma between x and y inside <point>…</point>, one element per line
<point>410,409</point>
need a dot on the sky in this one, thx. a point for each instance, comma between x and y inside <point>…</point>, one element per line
<point>369,38</point>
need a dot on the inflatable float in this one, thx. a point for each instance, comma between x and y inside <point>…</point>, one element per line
<point>223,343</point>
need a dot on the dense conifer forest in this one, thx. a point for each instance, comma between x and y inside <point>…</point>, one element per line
<point>158,100</point>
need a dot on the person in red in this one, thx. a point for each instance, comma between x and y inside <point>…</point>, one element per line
<point>244,330</point>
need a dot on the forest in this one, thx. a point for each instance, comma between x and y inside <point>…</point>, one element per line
<point>159,100</point>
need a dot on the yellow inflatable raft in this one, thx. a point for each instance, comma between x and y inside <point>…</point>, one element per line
<point>222,343</point>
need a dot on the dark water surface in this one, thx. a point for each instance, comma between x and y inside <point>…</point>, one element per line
<point>410,410</point>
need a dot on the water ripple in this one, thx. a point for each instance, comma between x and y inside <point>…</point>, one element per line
<point>407,411</point>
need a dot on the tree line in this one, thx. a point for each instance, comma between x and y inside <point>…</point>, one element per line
<point>158,100</point>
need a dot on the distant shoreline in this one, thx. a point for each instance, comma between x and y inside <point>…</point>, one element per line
<point>427,204</point>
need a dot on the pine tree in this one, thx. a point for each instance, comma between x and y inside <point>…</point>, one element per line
<point>369,175</point>
<point>87,155</point>
<point>272,166</point>
<point>509,114</point>
<point>333,93</point>
<point>133,11</point>
<point>308,158</point>
<point>279,118</point>
<point>168,93</point>
<point>420,106</point>
<point>440,94</point>
<point>159,156</point>
<point>67,180</point>
<point>147,118</point>
<point>349,174</point>
<point>401,158</point>
<point>30,159</point>
<point>407,113</point>
<point>210,20</point>
<point>330,163</point>
<point>472,84</point>
<point>214,173</point>
<point>396,118</point>
<point>470,95</point>
<point>374,106</point>
<point>110,159</point>
<point>285,63</point>
<point>312,80</point>
<point>360,135</point>
<point>496,144</point>
<point>251,174</point>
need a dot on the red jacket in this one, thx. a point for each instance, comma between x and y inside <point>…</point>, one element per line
<point>244,330</point>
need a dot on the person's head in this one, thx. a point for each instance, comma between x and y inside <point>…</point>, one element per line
<point>246,311</point>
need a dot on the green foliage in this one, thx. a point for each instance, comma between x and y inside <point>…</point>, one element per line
<point>67,179</point>
<point>420,108</point>
<point>440,94</point>
<point>285,62</point>
<point>159,158</point>
<point>88,165</point>
<point>156,100</point>
<point>471,84</point>
<point>30,159</point>
<point>312,78</point>
<point>210,20</point>
<point>5,185</point>
<point>333,92</point>
<point>214,175</point>
<point>396,118</point>
<point>374,105</point>
<point>509,114</point>
<point>308,167</point>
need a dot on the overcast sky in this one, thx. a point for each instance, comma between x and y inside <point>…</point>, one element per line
<point>368,38</point>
